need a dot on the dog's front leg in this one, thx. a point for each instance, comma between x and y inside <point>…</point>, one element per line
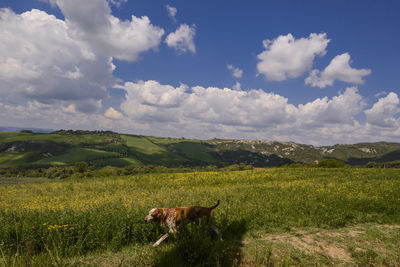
<point>161,240</point>
<point>216,230</point>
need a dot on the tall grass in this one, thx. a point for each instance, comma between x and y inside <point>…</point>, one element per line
<point>73,217</point>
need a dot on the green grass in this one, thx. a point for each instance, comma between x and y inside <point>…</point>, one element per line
<point>77,154</point>
<point>176,152</point>
<point>147,152</point>
<point>14,158</point>
<point>190,148</point>
<point>22,180</point>
<point>195,150</point>
<point>71,139</point>
<point>142,144</point>
<point>118,162</point>
<point>59,221</point>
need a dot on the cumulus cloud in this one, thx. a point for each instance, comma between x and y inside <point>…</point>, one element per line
<point>68,62</point>
<point>205,112</point>
<point>223,106</point>
<point>341,109</point>
<point>40,61</point>
<point>172,11</point>
<point>383,113</point>
<point>236,72</point>
<point>107,34</point>
<point>237,86</point>
<point>152,101</point>
<point>36,114</point>
<point>113,114</point>
<point>338,69</point>
<point>55,73</point>
<point>117,3</point>
<point>182,39</point>
<point>286,57</point>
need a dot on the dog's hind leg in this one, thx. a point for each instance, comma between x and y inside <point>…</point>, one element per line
<point>161,240</point>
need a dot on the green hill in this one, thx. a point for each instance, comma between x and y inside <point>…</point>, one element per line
<point>102,148</point>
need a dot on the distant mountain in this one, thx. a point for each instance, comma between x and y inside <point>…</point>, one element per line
<point>102,148</point>
<point>18,129</point>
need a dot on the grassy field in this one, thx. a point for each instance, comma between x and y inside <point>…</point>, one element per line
<point>271,217</point>
<point>72,139</point>
<point>77,154</point>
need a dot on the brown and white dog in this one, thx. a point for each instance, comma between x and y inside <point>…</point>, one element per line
<point>172,216</point>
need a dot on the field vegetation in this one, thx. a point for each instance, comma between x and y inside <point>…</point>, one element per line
<point>271,217</point>
<point>105,148</point>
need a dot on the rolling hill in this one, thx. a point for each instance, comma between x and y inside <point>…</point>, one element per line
<point>102,148</point>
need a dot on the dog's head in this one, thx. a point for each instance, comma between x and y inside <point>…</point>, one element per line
<point>155,215</point>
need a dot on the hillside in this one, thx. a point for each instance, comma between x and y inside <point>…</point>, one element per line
<point>102,148</point>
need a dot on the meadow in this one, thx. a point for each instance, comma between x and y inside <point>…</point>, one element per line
<point>271,217</point>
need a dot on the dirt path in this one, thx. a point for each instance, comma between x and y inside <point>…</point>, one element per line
<point>346,246</point>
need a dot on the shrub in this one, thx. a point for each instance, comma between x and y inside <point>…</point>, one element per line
<point>108,171</point>
<point>331,163</point>
<point>81,167</point>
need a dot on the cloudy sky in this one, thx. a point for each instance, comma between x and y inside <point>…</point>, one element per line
<point>314,72</point>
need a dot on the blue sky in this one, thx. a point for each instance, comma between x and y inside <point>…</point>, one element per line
<point>315,72</point>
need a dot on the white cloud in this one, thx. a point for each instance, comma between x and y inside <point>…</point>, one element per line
<point>286,57</point>
<point>236,72</point>
<point>383,113</point>
<point>113,114</point>
<point>205,112</point>
<point>339,69</point>
<point>45,116</point>
<point>152,101</point>
<point>71,108</point>
<point>237,86</point>
<point>55,73</point>
<point>341,109</point>
<point>254,108</point>
<point>40,61</point>
<point>172,11</point>
<point>107,34</point>
<point>379,94</point>
<point>117,3</point>
<point>68,62</point>
<point>182,39</point>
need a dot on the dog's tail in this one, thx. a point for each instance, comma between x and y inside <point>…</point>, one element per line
<point>213,207</point>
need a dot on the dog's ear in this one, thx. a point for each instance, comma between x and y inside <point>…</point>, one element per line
<point>160,217</point>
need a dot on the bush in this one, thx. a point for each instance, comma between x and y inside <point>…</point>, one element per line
<point>108,171</point>
<point>81,167</point>
<point>331,163</point>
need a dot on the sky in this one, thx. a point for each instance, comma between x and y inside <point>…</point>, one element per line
<point>312,72</point>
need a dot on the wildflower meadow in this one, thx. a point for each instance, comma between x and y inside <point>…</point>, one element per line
<point>53,223</point>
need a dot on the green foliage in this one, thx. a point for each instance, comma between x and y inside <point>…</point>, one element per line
<point>195,245</point>
<point>76,155</point>
<point>238,167</point>
<point>392,164</point>
<point>80,167</point>
<point>108,171</point>
<point>106,148</point>
<point>331,163</point>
